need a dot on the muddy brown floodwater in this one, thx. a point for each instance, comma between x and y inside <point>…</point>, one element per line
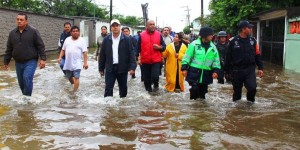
<point>56,118</point>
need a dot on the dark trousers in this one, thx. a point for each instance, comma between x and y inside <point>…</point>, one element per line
<point>142,76</point>
<point>61,65</point>
<point>151,75</point>
<point>198,90</point>
<point>245,77</point>
<point>221,76</point>
<point>111,77</point>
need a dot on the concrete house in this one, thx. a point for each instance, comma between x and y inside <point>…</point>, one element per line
<point>278,34</point>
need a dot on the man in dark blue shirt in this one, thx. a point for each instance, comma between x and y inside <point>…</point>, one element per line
<point>126,31</point>
<point>66,33</point>
<point>242,56</point>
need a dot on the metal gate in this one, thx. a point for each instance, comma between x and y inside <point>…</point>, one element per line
<point>272,40</point>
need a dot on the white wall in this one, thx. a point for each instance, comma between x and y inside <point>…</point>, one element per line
<point>84,31</point>
<point>99,24</point>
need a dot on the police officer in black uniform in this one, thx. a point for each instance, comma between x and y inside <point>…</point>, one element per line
<point>222,46</point>
<point>241,59</point>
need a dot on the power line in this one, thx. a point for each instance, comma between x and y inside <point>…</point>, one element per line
<point>130,9</point>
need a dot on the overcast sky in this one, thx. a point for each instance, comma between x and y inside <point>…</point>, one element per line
<point>166,12</point>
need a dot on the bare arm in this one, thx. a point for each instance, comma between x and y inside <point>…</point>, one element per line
<point>85,64</point>
<point>62,53</point>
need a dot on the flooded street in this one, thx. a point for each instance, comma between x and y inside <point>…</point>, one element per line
<point>56,118</point>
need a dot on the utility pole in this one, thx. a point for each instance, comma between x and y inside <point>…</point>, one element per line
<point>202,9</point>
<point>94,9</point>
<point>202,15</point>
<point>188,14</point>
<point>156,21</point>
<point>145,12</point>
<point>110,14</point>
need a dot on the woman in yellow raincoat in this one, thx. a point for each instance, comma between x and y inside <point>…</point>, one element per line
<point>174,53</point>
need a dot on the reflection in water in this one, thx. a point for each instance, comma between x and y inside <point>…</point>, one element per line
<point>3,110</point>
<point>26,122</point>
<point>117,123</point>
<point>57,118</point>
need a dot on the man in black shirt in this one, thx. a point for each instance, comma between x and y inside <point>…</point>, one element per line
<point>222,45</point>
<point>126,31</point>
<point>25,45</point>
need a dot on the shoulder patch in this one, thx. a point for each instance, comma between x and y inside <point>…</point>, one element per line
<point>231,38</point>
<point>252,38</point>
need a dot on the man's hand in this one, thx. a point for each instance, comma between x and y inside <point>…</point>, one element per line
<point>42,64</point>
<point>101,73</point>
<point>85,66</point>
<point>138,60</point>
<point>184,73</point>
<point>187,41</point>
<point>59,60</point>
<point>131,72</point>
<point>155,46</point>
<point>5,67</point>
<point>260,73</point>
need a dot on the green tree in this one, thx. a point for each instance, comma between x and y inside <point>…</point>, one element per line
<point>187,30</point>
<point>226,14</point>
<point>285,3</point>
<point>129,20</point>
<point>28,5</point>
<point>58,7</point>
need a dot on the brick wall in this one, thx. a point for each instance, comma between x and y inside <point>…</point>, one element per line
<point>50,27</point>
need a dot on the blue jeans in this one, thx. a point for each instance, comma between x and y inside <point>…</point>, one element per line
<point>75,73</point>
<point>25,73</point>
<point>61,65</point>
<point>110,79</point>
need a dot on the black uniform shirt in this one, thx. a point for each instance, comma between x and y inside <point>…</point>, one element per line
<point>242,53</point>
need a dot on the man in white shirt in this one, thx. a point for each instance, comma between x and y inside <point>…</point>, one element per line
<point>167,39</point>
<point>74,49</point>
<point>116,60</point>
<point>166,36</point>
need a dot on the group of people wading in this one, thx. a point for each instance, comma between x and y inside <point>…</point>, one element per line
<point>197,61</point>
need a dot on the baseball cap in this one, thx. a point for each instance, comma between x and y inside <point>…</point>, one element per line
<point>115,21</point>
<point>244,24</point>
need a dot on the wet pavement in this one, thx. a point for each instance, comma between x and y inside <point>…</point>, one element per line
<point>57,118</point>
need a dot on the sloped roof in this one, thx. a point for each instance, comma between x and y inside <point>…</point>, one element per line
<point>277,13</point>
